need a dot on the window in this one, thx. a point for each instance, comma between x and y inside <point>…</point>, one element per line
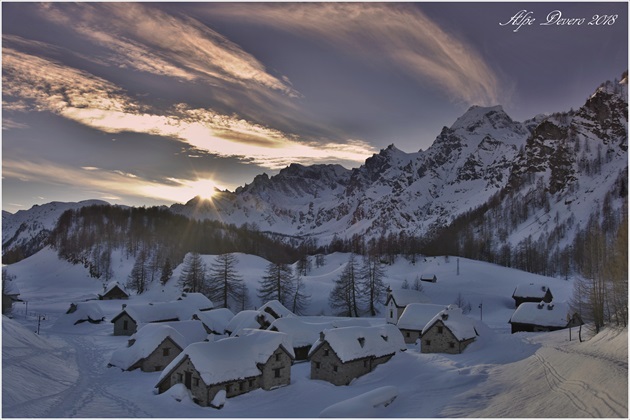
<point>440,330</point>
<point>158,368</point>
<point>180,377</point>
<point>241,386</point>
<point>408,334</point>
<point>166,351</point>
<point>277,357</point>
<point>427,342</point>
<point>391,313</point>
<point>276,373</point>
<point>334,368</point>
<point>317,365</point>
<point>251,383</point>
<point>196,381</point>
<point>365,363</point>
<point>451,345</point>
<point>326,352</point>
<point>125,325</point>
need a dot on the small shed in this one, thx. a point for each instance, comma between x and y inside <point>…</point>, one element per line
<point>343,354</point>
<point>231,367</point>
<point>449,331</point>
<point>81,312</point>
<point>114,291</point>
<point>542,316</point>
<point>430,278</point>
<point>531,292</point>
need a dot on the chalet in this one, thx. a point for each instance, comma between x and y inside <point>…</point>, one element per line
<point>154,346</point>
<point>10,294</point>
<point>531,292</point>
<point>397,301</point>
<point>542,316</point>
<point>430,278</point>
<point>215,321</point>
<point>83,312</point>
<point>449,331</point>
<point>231,366</point>
<point>131,317</point>
<point>414,318</point>
<point>114,291</point>
<point>343,354</point>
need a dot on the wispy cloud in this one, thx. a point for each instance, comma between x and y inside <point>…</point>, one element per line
<point>384,34</point>
<point>95,102</point>
<point>148,39</point>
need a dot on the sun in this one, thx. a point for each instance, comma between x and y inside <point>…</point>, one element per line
<point>204,188</point>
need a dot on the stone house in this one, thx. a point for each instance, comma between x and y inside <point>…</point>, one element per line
<point>397,301</point>
<point>114,291</point>
<point>343,354</point>
<point>542,316</point>
<point>531,292</point>
<point>414,318</point>
<point>128,321</point>
<point>154,346</point>
<point>234,366</point>
<point>449,331</point>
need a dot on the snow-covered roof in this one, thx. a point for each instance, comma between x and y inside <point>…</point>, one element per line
<point>531,290</point>
<point>552,314</point>
<point>453,318</point>
<point>351,343</point>
<point>232,358</point>
<point>216,320</point>
<point>10,288</point>
<point>243,319</point>
<point>112,286</point>
<point>276,309</point>
<point>403,297</point>
<point>303,333</point>
<point>181,309</point>
<point>84,311</point>
<point>416,315</point>
<point>147,339</point>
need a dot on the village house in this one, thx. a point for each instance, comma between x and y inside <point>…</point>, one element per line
<point>231,366</point>
<point>449,331</point>
<point>430,278</point>
<point>215,321</point>
<point>414,318</point>
<point>114,291</point>
<point>397,301</point>
<point>261,318</point>
<point>154,346</point>
<point>131,317</point>
<point>10,294</point>
<point>343,354</point>
<point>542,316</point>
<point>531,292</point>
<point>83,312</point>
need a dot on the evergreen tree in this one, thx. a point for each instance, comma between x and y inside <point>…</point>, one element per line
<point>193,276</point>
<point>304,265</point>
<point>300,299</point>
<point>372,285</point>
<point>137,280</point>
<point>344,295</point>
<point>224,282</point>
<point>167,272</point>
<point>417,284</point>
<point>277,283</point>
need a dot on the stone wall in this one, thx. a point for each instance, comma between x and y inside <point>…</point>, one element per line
<point>326,365</point>
<point>119,325</point>
<point>158,360</point>
<point>439,339</point>
<point>277,370</point>
<point>410,336</point>
<point>197,387</point>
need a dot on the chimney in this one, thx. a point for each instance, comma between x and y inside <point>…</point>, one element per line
<point>124,305</point>
<point>322,336</point>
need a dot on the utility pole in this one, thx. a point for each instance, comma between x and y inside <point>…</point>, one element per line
<point>481,309</point>
<point>39,319</point>
<point>458,266</point>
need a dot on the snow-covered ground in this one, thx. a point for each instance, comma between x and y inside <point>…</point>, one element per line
<point>63,372</point>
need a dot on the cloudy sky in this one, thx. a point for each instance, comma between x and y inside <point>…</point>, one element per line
<point>154,103</point>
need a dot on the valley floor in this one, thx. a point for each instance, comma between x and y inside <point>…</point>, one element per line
<point>65,374</point>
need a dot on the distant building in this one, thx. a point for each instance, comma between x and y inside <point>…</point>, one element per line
<point>531,292</point>
<point>542,316</point>
<point>449,331</point>
<point>10,294</point>
<point>114,291</point>
<point>414,318</point>
<point>343,354</point>
<point>216,320</point>
<point>83,312</point>
<point>397,301</point>
<point>431,278</point>
<point>231,367</point>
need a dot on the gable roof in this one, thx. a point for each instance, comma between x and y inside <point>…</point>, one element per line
<point>531,290</point>
<point>84,311</point>
<point>232,358</point>
<point>181,309</point>
<point>462,327</point>
<point>216,320</point>
<point>351,343</point>
<point>276,309</point>
<point>114,285</point>
<point>403,297</point>
<point>543,314</point>
<point>243,319</point>
<point>416,315</point>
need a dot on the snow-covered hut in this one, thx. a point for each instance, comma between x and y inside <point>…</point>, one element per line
<point>82,312</point>
<point>114,291</point>
<point>131,317</point>
<point>397,301</point>
<point>428,277</point>
<point>154,346</point>
<point>531,292</point>
<point>449,331</point>
<point>414,318</point>
<point>303,334</point>
<point>541,316</point>
<point>10,294</point>
<point>234,366</point>
<point>342,354</point>
<point>216,320</point>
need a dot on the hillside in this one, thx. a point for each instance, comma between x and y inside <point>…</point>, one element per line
<point>499,375</point>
